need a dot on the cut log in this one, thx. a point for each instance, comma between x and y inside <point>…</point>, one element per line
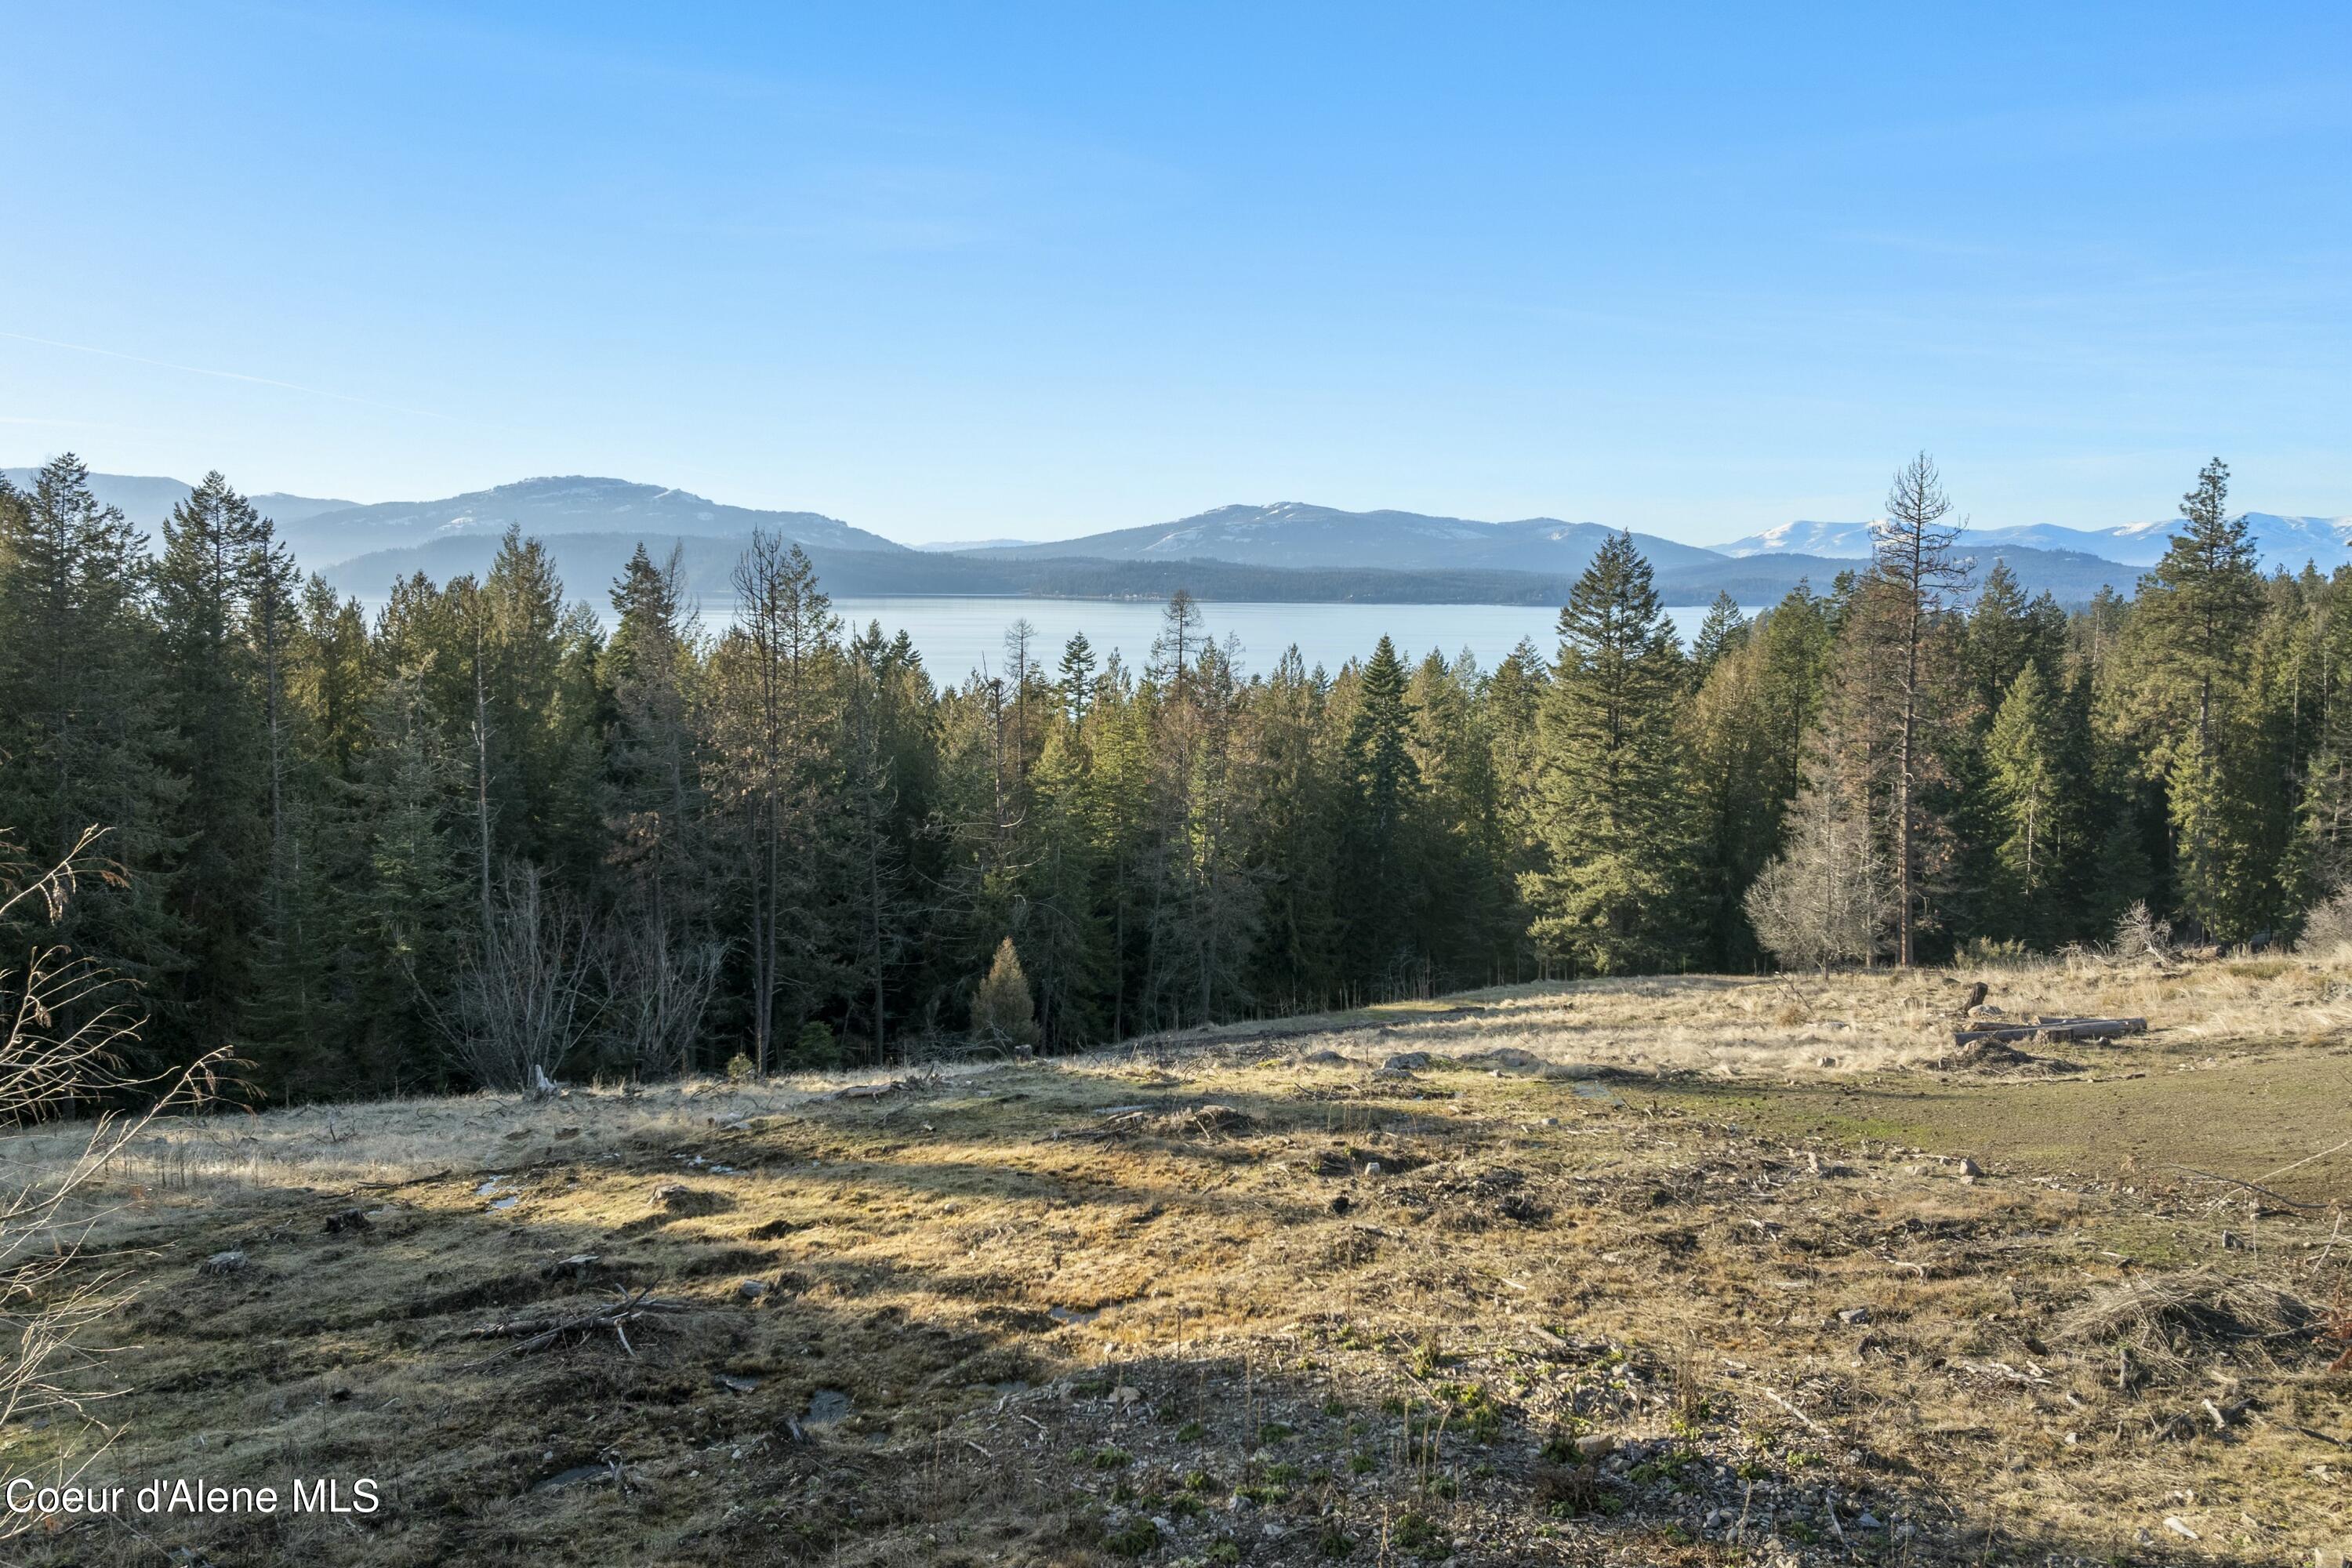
<point>2053,1029</point>
<point>1977,994</point>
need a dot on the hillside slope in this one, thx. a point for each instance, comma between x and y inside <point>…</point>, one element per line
<point>1680,1270</point>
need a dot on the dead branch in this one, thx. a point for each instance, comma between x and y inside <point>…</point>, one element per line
<point>532,1334</point>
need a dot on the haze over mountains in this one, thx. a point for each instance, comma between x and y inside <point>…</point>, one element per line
<point>1289,550</point>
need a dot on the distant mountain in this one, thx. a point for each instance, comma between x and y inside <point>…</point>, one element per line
<point>953,547</point>
<point>2283,541</point>
<point>550,508</point>
<point>1298,535</point>
<point>148,501</point>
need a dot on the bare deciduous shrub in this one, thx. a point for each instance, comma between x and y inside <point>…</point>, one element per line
<point>66,1020</point>
<point>1826,899</point>
<point>659,989</point>
<point>522,1002</point>
<point>2139,934</point>
<point>2327,924</point>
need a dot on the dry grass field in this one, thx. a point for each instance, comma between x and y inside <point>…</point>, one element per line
<point>1703,1270</point>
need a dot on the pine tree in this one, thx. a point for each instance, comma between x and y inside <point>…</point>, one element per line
<point>1002,1013</point>
<point>83,730</point>
<point>2035,811</point>
<point>1382,879</point>
<point>772,675</point>
<point>217,570</point>
<point>2196,614</point>
<point>1913,560</point>
<point>1723,631</point>
<point>1613,812</point>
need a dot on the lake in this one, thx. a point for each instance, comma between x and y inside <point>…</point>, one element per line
<point>958,633</point>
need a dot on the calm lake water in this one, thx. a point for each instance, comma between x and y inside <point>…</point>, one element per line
<point>959,634</point>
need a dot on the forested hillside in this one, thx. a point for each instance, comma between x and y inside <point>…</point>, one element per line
<point>479,835</point>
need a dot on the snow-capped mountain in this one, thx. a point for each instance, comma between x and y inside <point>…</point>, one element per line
<point>2284,543</point>
<point>1299,534</point>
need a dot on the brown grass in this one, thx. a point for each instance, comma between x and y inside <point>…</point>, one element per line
<point>1376,1310</point>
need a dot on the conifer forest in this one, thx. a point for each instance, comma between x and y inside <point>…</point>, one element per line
<point>487,834</point>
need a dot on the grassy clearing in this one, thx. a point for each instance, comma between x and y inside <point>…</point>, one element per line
<point>1658,1271</point>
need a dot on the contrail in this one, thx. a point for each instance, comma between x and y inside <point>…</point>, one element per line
<point>228,376</point>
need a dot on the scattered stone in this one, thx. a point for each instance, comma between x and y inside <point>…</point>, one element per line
<point>1594,1446</point>
<point>752,1289</point>
<point>348,1220</point>
<point>2180,1527</point>
<point>575,1266</point>
<point>1855,1316</point>
<point>1126,1394</point>
<point>1342,1204</point>
<point>1970,1168</point>
<point>734,1385</point>
<point>1407,1061</point>
<point>222,1264</point>
<point>1324,1060</point>
<point>1509,1058</point>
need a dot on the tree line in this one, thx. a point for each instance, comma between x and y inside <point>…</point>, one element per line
<point>486,835</point>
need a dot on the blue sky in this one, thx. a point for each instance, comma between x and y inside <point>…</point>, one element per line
<point>979,270</point>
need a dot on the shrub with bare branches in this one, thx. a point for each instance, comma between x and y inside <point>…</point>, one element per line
<point>522,1000</point>
<point>66,1023</point>
<point>2327,924</point>
<point>2139,934</point>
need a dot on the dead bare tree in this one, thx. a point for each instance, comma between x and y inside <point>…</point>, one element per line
<point>65,1023</point>
<point>522,1000</point>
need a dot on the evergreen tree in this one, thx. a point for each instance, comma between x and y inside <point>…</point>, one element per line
<point>1382,881</point>
<point>216,584</point>
<point>83,729</point>
<point>1723,631</point>
<point>2036,811</point>
<point>1613,813</point>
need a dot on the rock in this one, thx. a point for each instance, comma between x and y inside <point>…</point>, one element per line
<point>1509,1058</point>
<point>2180,1527</point>
<point>733,1384</point>
<point>1342,1204</point>
<point>750,1289</point>
<point>1126,1394</point>
<point>221,1264</point>
<point>1969,1167</point>
<point>1372,1167</point>
<point>348,1220</point>
<point>1595,1445</point>
<point>1718,1519</point>
<point>1867,1520</point>
<point>1324,1060</point>
<point>1855,1316</point>
<point>1407,1061</point>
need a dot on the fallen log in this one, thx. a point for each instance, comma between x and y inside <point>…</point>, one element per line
<point>2053,1029</point>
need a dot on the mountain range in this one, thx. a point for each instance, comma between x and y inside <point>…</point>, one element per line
<point>1286,551</point>
<point>2283,541</point>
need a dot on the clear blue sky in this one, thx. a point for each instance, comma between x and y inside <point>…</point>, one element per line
<point>993,269</point>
